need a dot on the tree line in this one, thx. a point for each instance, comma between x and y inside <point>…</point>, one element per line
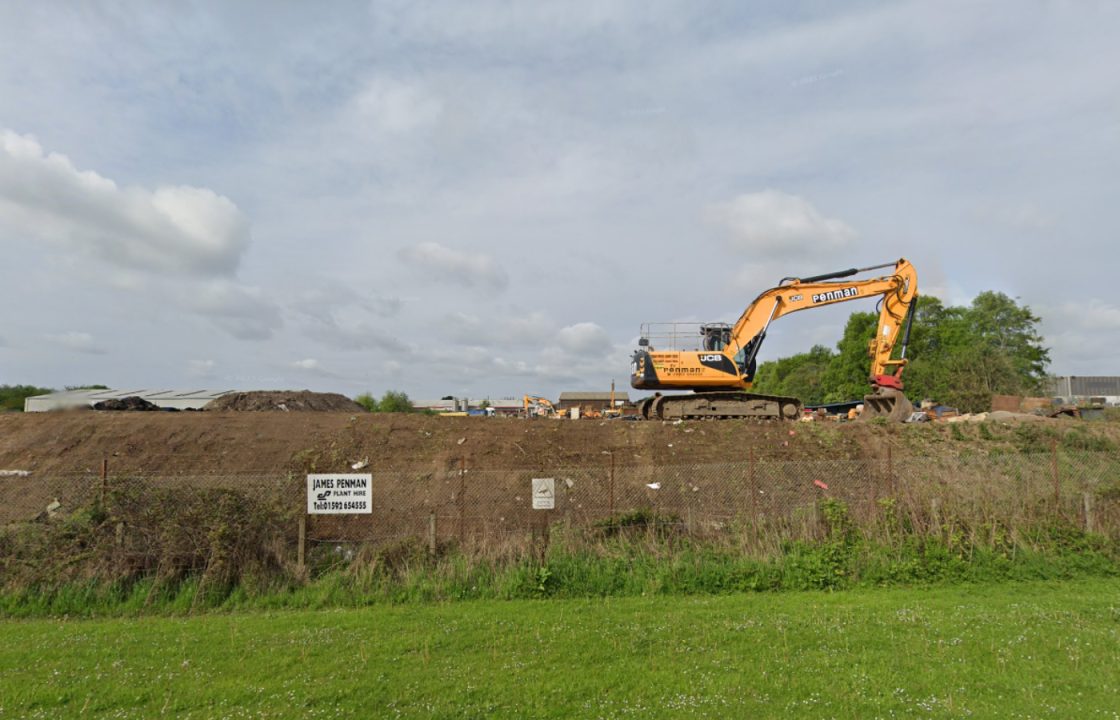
<point>959,355</point>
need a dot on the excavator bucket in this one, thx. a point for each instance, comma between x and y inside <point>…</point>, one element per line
<point>886,403</point>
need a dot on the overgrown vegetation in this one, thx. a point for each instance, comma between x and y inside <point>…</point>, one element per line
<point>12,396</point>
<point>391,401</point>
<point>960,356</point>
<point>177,550</point>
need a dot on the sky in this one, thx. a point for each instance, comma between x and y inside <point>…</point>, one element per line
<point>488,199</point>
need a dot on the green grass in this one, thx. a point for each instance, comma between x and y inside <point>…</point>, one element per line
<point>1015,650</point>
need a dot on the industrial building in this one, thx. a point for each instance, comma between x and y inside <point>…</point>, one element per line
<point>1086,388</point>
<point>598,401</point>
<point>170,399</point>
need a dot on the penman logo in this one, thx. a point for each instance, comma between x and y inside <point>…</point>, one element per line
<point>836,294</point>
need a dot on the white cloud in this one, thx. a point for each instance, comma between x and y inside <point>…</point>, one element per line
<point>81,342</point>
<point>585,338</point>
<point>1016,216</point>
<point>773,225</point>
<point>357,335</point>
<point>306,364</point>
<point>201,368</point>
<point>474,270</point>
<point>243,312</point>
<point>173,230</point>
<point>1078,334</point>
<point>394,106</point>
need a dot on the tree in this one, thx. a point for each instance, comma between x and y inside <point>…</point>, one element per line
<point>394,401</point>
<point>958,355</point>
<point>391,401</point>
<point>798,376</point>
<point>368,401</point>
<point>12,396</point>
<point>847,375</point>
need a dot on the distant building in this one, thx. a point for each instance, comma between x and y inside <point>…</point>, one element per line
<point>591,400</point>
<point>172,399</point>
<point>1074,388</point>
<point>441,406</point>
<point>508,406</point>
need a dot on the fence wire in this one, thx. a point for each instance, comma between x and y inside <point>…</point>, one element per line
<point>470,502</point>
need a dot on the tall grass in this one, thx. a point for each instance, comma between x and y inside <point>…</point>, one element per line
<point>1026,515</point>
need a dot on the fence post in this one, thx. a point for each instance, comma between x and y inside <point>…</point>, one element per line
<point>610,506</point>
<point>432,533</point>
<point>753,486</point>
<point>1087,508</point>
<point>462,499</point>
<point>301,553</point>
<point>1054,472</point>
<point>104,479</point>
<point>935,514</point>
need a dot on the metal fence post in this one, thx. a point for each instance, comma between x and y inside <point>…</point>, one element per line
<point>753,487</point>
<point>610,506</point>
<point>462,499</point>
<point>301,553</point>
<point>104,479</point>
<point>432,533</point>
<point>1087,508</point>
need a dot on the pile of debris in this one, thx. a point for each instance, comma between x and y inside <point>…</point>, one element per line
<point>132,403</point>
<point>284,401</point>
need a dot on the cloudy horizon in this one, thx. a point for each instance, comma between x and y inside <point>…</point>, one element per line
<point>488,200</point>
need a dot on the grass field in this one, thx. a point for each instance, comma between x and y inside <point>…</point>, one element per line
<point>1008,651</point>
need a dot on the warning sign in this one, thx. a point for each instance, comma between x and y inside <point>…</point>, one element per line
<point>544,493</point>
<point>338,494</point>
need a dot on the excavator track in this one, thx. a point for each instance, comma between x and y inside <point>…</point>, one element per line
<point>722,405</point>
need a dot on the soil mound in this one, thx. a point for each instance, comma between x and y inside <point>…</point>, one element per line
<point>285,401</point>
<point>131,403</point>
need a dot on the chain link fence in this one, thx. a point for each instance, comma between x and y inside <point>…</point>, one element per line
<point>470,503</point>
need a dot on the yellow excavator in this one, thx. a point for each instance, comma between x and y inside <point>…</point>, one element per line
<point>721,370</point>
<point>537,406</point>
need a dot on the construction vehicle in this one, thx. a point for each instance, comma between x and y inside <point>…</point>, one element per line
<point>721,370</point>
<point>614,411</point>
<point>537,406</point>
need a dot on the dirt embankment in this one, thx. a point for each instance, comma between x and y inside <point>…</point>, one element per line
<point>285,401</point>
<point>238,442</point>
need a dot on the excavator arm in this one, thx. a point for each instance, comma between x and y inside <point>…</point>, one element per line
<point>898,292</point>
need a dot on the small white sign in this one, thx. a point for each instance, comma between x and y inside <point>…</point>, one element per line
<point>544,493</point>
<point>339,494</point>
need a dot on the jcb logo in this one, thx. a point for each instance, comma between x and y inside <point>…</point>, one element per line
<point>710,358</point>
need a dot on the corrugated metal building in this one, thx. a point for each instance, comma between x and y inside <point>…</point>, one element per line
<point>176,399</point>
<point>1073,388</point>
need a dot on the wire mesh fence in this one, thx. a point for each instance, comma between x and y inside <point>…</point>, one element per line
<point>468,502</point>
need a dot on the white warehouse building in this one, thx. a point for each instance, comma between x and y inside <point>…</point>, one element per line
<point>171,399</point>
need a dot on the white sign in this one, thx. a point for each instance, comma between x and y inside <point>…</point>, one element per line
<point>544,493</point>
<point>339,494</point>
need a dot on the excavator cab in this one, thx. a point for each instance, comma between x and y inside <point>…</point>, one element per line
<point>715,336</point>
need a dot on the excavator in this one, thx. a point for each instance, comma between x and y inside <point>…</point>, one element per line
<point>537,406</point>
<point>721,371</point>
